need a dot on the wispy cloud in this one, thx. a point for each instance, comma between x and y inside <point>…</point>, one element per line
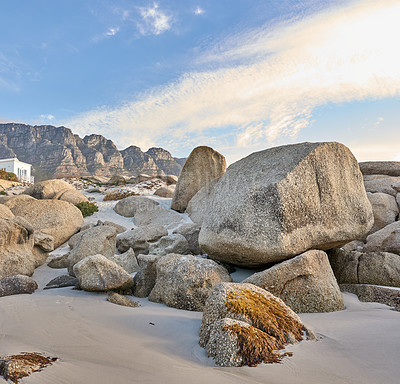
<point>112,31</point>
<point>199,11</point>
<point>264,84</point>
<point>154,21</point>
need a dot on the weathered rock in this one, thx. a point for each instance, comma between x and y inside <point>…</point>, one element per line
<point>390,168</point>
<point>44,241</point>
<point>202,166</point>
<point>62,282</point>
<point>174,243</point>
<point>305,283</point>
<point>48,189</point>
<point>140,238</point>
<point>98,240</point>
<point>398,200</point>
<point>15,201</point>
<point>72,196</point>
<point>383,185</point>
<point>374,177</point>
<point>58,261</point>
<point>245,325</point>
<point>157,216</point>
<point>119,228</point>
<point>97,273</point>
<point>56,218</point>
<point>396,187</point>
<point>170,179</point>
<point>127,207</point>
<point>198,204</point>
<point>117,180</point>
<point>278,203</point>
<point>15,285</point>
<point>118,299</point>
<point>191,234</point>
<point>184,282</point>
<point>385,240</point>
<point>143,177</point>
<point>145,278</point>
<point>165,191</point>
<point>385,210</point>
<point>5,212</point>
<point>127,261</point>
<point>355,245</point>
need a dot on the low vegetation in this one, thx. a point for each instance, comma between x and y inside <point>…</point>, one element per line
<point>87,208</point>
<point>8,176</point>
<point>118,195</point>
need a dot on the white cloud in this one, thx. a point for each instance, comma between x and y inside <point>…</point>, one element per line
<point>112,31</point>
<point>199,11</point>
<point>268,83</point>
<point>154,20</point>
<point>47,117</point>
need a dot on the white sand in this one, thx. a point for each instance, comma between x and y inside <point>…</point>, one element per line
<point>99,342</point>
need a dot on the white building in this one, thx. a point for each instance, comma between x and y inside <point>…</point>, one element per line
<point>21,169</point>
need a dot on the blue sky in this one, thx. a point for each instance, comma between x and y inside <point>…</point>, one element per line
<point>237,75</point>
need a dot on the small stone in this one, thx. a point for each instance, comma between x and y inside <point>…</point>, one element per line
<point>118,299</point>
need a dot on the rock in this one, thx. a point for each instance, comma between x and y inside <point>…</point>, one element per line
<point>305,283</point>
<point>118,299</point>
<point>48,189</point>
<point>355,245</point>
<point>165,191</point>
<point>127,207</point>
<point>280,202</point>
<point>396,187</point>
<point>127,261</point>
<point>157,216</point>
<point>58,261</point>
<point>385,210</point>
<point>198,204</point>
<point>97,273</point>
<point>5,212</point>
<point>202,166</point>
<point>72,196</point>
<point>383,185</point>
<point>143,177</point>
<point>15,285</point>
<point>184,282</point>
<point>16,250</point>
<point>373,177</point>
<point>44,241</point>
<point>98,240</point>
<point>191,234</point>
<point>245,325</point>
<point>117,180</point>
<point>62,282</point>
<point>119,228</point>
<point>24,223</point>
<point>385,240</point>
<point>145,278</point>
<point>170,179</point>
<point>398,200</point>
<point>139,238</point>
<point>14,201</point>
<point>174,243</point>
<point>56,218</point>
<point>390,168</point>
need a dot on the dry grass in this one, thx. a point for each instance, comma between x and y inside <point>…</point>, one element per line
<point>118,195</point>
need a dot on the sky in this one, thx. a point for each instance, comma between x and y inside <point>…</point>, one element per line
<point>237,75</point>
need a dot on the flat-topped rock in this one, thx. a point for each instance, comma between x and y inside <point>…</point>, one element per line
<point>390,168</point>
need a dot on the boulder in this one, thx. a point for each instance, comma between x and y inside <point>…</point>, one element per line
<point>116,298</point>
<point>145,278</point>
<point>56,218</point>
<point>398,200</point>
<point>184,282</point>
<point>127,261</point>
<point>385,210</point>
<point>385,240</point>
<point>127,207</point>
<point>15,201</point>
<point>16,250</point>
<point>17,284</point>
<point>245,325</point>
<point>117,180</point>
<point>198,204</point>
<point>390,168</point>
<point>43,241</point>
<point>72,196</point>
<point>157,216</point>
<point>5,212</point>
<point>202,166</point>
<point>305,283</point>
<point>171,179</point>
<point>62,282</point>
<point>143,177</point>
<point>98,240</point>
<point>58,261</point>
<point>191,234</point>
<point>174,243</point>
<point>118,227</point>
<point>382,185</point>
<point>48,189</point>
<point>280,202</point>
<point>97,273</point>
<point>140,238</point>
<point>165,191</point>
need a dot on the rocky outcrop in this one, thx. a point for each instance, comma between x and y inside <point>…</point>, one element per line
<point>56,152</point>
<point>280,202</point>
<point>390,168</point>
<point>202,166</point>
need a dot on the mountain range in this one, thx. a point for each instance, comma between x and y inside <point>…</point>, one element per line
<point>56,152</point>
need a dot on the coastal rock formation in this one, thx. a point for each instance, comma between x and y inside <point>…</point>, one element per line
<point>280,202</point>
<point>17,284</point>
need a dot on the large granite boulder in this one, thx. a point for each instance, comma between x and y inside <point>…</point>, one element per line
<point>127,261</point>
<point>72,196</point>
<point>14,201</point>
<point>5,212</point>
<point>385,210</point>
<point>167,192</point>
<point>386,239</point>
<point>127,207</point>
<point>97,273</point>
<point>184,282</point>
<point>15,285</point>
<point>280,202</point>
<point>157,216</point>
<point>202,166</point>
<point>48,189</point>
<point>382,185</point>
<point>390,168</point>
<point>145,278</point>
<point>305,283</point>
<point>245,325</point>
<point>191,233</point>
<point>59,219</point>
<point>174,243</point>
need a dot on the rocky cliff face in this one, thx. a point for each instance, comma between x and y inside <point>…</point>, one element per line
<point>57,152</point>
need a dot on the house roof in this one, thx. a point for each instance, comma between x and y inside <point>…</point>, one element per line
<point>15,160</point>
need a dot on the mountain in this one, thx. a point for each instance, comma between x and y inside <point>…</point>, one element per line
<point>56,152</point>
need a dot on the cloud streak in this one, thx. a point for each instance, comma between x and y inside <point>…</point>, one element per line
<point>263,84</point>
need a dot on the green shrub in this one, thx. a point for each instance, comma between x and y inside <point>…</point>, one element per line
<point>3,193</point>
<point>87,208</point>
